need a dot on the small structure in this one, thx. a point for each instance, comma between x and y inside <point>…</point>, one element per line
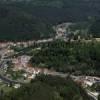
<point>16,86</point>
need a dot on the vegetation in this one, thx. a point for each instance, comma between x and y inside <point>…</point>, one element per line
<point>94,29</point>
<point>95,87</point>
<point>77,57</point>
<point>48,88</point>
<point>20,27</point>
<point>99,97</point>
<point>33,19</point>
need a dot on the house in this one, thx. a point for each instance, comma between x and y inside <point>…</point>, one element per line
<point>16,86</point>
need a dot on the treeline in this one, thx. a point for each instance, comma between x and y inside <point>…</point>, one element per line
<point>48,88</point>
<point>95,28</point>
<point>55,10</point>
<point>33,19</point>
<point>75,58</point>
<point>96,88</point>
<point>17,23</point>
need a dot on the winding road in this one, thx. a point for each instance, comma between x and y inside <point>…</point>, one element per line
<point>7,80</point>
<point>91,95</point>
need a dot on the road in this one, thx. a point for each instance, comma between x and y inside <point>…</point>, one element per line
<point>63,75</point>
<point>91,95</point>
<point>7,80</point>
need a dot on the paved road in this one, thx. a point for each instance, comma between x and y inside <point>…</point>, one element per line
<point>7,80</point>
<point>58,74</point>
<point>92,95</point>
<point>63,75</point>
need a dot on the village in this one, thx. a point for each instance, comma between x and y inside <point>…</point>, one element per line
<point>20,71</point>
<point>17,70</point>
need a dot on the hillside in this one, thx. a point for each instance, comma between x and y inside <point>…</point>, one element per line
<point>75,58</point>
<point>48,88</point>
<point>57,10</point>
<point>34,18</point>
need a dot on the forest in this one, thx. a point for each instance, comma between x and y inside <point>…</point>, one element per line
<point>47,88</point>
<point>33,19</point>
<point>79,58</point>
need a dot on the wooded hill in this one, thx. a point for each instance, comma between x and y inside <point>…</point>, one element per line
<point>33,19</point>
<point>48,88</point>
